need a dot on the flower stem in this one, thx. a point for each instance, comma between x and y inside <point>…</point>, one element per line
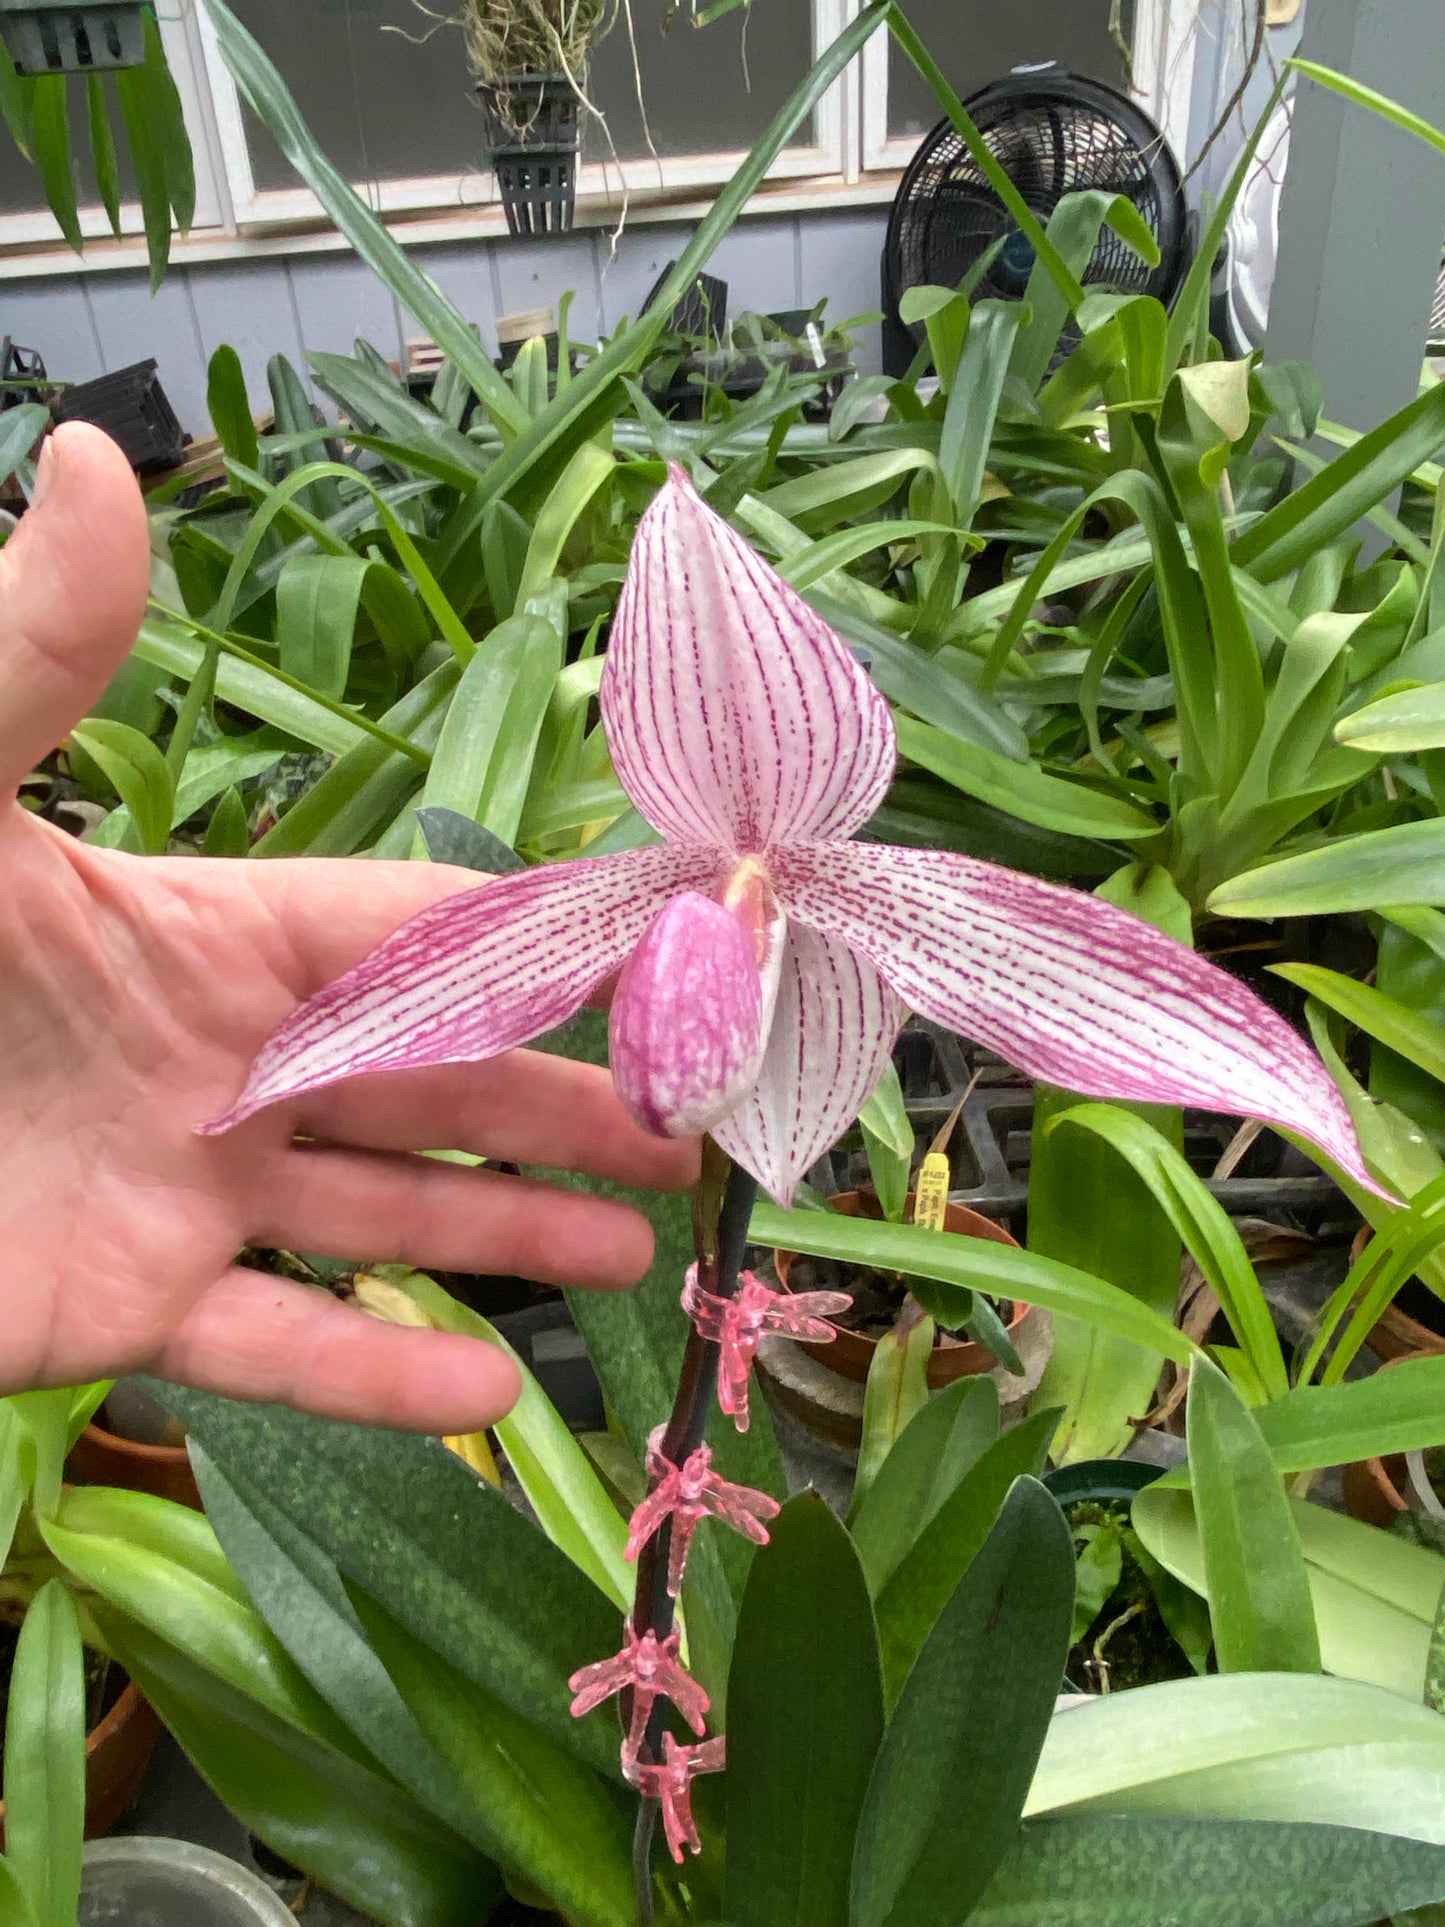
<point>722,1208</point>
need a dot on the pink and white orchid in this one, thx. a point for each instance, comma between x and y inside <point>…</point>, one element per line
<point>767,961</point>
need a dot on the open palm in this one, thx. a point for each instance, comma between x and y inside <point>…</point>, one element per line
<point>137,990</point>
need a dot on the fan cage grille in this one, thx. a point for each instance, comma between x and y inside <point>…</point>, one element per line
<point>1052,141</point>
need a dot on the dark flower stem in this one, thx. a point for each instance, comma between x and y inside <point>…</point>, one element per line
<point>722,1209</point>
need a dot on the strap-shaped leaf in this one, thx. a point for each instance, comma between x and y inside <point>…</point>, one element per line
<point>941,1444</point>
<point>1106,1870</point>
<point>348,1825</point>
<point>548,1819</point>
<point>447,1555</point>
<point>805,1718</point>
<point>1259,1594</point>
<point>896,1392</point>
<point>944,1802</point>
<point>45,1757</point>
<point>929,1573</point>
<point>136,769</point>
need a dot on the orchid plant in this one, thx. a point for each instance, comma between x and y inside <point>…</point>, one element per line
<point>767,961</point>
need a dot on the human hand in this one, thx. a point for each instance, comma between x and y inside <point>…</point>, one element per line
<point>137,990</point>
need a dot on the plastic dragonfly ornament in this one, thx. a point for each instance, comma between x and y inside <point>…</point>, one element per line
<point>767,961</point>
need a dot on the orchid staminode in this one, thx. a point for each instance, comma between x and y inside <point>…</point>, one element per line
<point>768,961</point>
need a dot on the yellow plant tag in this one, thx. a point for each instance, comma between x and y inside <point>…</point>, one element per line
<point>931,1200</point>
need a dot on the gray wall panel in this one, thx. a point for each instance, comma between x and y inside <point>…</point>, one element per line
<point>250,308</point>
<point>134,326</point>
<point>337,299</point>
<point>55,318</point>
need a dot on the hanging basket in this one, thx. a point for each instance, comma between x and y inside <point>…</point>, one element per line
<point>58,37</point>
<point>532,129</point>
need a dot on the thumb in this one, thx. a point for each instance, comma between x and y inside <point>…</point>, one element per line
<point>73,585</point>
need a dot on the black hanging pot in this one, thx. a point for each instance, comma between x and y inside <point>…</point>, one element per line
<point>59,37</point>
<point>532,129</point>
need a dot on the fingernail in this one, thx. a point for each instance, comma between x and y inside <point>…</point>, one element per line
<point>45,471</point>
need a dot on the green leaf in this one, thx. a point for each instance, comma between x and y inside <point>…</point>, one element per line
<point>303,1600</point>
<point>1410,1032</point>
<point>317,600</point>
<point>980,1264</point>
<point>550,1821</point>
<point>896,1391</point>
<point>1105,1870</point>
<point>953,1771</point>
<point>337,1819</point>
<point>16,99</point>
<point>1435,1661</point>
<point>250,686</point>
<point>229,407</point>
<point>888,1141</point>
<point>1404,864</point>
<point>973,400</point>
<point>574,489</point>
<point>102,148</point>
<point>482,764</point>
<point>45,1757</point>
<point>553,1470</point>
<point>14,1901</point>
<point>926,1576</point>
<point>943,1441</point>
<point>446,1554</point>
<point>20,429</point>
<point>1097,1572</point>
<point>1022,789</point>
<point>1074,227</point>
<point>136,769</point>
<point>228,834</point>
<point>451,837</point>
<point>1331,502</point>
<point>50,135</point>
<point>1374,1593</point>
<point>1276,1746</point>
<point>1200,1220</point>
<point>1377,103</point>
<point>805,1718</point>
<point>1258,1591</point>
<point>1402,1410</point>
<point>1410,720</point>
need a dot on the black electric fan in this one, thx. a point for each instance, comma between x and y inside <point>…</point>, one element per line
<point>1054,133</point>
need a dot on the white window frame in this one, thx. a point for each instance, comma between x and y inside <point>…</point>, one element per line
<point>851,161</point>
<point>252,208</point>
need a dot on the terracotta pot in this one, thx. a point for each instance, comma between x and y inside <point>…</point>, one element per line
<point>1375,1490</point>
<point>117,1752</point>
<point>1395,1334</point>
<point>851,1353</point>
<point>105,1458</point>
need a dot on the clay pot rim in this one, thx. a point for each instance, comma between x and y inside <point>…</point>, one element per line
<point>147,1454</point>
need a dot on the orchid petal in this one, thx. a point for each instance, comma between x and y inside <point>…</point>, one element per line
<point>834,1027</point>
<point>733,713</point>
<point>476,974</point>
<point>688,1022</point>
<point>1067,987</point>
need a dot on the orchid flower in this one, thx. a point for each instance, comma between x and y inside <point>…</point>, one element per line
<point>650,1669</point>
<point>736,1326</point>
<point>687,1494</point>
<point>671,1783</point>
<point>767,962</point>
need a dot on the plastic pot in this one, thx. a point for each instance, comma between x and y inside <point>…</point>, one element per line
<point>117,1753</point>
<point>59,37</point>
<point>100,1457</point>
<point>532,128</point>
<point>851,1354</point>
<point>170,1883</point>
<point>131,406</point>
<point>1101,1481</point>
